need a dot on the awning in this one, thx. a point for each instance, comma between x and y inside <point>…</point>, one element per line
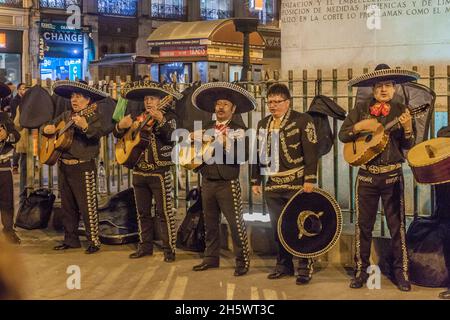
<point>201,33</point>
<point>110,60</point>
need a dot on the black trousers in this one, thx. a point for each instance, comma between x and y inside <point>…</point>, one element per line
<point>78,189</point>
<point>369,189</point>
<point>221,196</point>
<point>276,200</point>
<point>7,199</point>
<point>157,185</point>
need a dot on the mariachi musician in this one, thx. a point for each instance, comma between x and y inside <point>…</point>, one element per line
<point>443,211</point>
<point>382,176</point>
<point>292,168</point>
<point>151,175</point>
<point>77,172</point>
<point>221,190</point>
<point>8,137</point>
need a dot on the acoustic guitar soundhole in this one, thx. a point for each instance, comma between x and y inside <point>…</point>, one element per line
<point>369,138</point>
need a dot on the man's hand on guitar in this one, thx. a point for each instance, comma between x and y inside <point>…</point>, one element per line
<point>125,122</point>
<point>80,122</point>
<point>156,114</point>
<point>308,187</point>
<point>49,129</point>
<point>406,121</point>
<point>366,125</point>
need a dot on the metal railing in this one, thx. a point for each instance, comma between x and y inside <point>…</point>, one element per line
<point>11,3</point>
<point>165,11</point>
<point>59,4</point>
<point>335,176</point>
<point>126,8</point>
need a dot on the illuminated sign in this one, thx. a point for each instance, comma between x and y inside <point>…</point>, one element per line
<point>63,37</point>
<point>2,40</point>
<point>183,51</point>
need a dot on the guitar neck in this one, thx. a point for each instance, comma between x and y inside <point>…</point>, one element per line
<point>391,124</point>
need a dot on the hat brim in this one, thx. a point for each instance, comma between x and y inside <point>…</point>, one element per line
<point>396,75</point>
<point>138,90</point>
<point>317,202</point>
<point>66,88</point>
<point>4,90</point>
<point>206,95</point>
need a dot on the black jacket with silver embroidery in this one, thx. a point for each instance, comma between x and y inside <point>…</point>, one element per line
<point>297,146</point>
<point>85,145</point>
<point>158,154</point>
<point>7,145</point>
<point>392,154</point>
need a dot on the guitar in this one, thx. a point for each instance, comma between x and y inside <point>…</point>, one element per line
<point>370,144</point>
<point>193,156</point>
<point>131,146</point>
<point>53,146</point>
<point>430,161</point>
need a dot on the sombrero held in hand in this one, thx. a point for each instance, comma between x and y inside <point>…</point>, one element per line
<point>384,73</point>
<point>206,95</point>
<point>310,224</point>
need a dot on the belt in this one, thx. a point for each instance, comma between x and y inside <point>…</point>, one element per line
<point>381,169</point>
<point>71,162</point>
<point>283,179</point>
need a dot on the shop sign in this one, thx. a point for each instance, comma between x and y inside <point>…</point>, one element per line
<point>182,51</point>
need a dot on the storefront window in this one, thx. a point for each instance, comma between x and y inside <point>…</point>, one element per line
<point>169,9</point>
<point>10,67</point>
<point>58,4</point>
<point>118,7</point>
<point>264,10</point>
<point>61,68</point>
<point>175,72</point>
<point>11,3</point>
<point>216,9</point>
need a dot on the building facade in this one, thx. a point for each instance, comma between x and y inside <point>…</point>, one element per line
<point>58,39</point>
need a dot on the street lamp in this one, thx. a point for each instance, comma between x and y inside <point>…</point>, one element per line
<point>246,26</point>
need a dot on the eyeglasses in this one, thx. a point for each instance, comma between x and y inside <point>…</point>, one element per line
<point>275,102</point>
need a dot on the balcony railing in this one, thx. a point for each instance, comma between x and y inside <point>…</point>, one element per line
<point>126,8</point>
<point>59,4</point>
<point>11,3</point>
<point>212,14</point>
<point>164,11</point>
<point>264,17</point>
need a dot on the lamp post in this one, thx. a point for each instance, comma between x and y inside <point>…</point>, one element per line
<point>246,26</point>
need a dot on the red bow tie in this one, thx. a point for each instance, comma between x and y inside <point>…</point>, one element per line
<point>221,127</point>
<point>380,109</point>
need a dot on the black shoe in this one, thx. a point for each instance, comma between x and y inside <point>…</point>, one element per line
<point>64,247</point>
<point>92,249</point>
<point>403,284</point>
<point>204,266</point>
<point>140,253</point>
<point>240,271</point>
<point>359,282</point>
<point>445,294</point>
<point>278,275</point>
<point>12,237</point>
<point>302,279</point>
<point>169,256</point>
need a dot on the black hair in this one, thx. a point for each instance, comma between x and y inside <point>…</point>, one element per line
<point>279,89</point>
<point>20,84</point>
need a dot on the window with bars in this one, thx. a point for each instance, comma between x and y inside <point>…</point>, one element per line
<point>11,3</point>
<point>264,10</point>
<point>58,4</point>
<point>118,7</point>
<point>169,9</point>
<point>216,9</point>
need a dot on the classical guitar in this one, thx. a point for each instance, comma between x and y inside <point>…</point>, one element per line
<point>370,144</point>
<point>52,146</point>
<point>430,161</point>
<point>132,145</point>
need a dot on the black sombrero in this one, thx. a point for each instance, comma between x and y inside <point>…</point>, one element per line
<point>4,90</point>
<point>65,88</point>
<point>137,90</point>
<point>36,108</point>
<point>206,95</point>
<point>384,73</point>
<point>310,224</point>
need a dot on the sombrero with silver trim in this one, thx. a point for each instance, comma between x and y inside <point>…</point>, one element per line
<point>137,90</point>
<point>4,90</point>
<point>206,95</point>
<point>310,224</point>
<point>65,88</point>
<point>384,73</point>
